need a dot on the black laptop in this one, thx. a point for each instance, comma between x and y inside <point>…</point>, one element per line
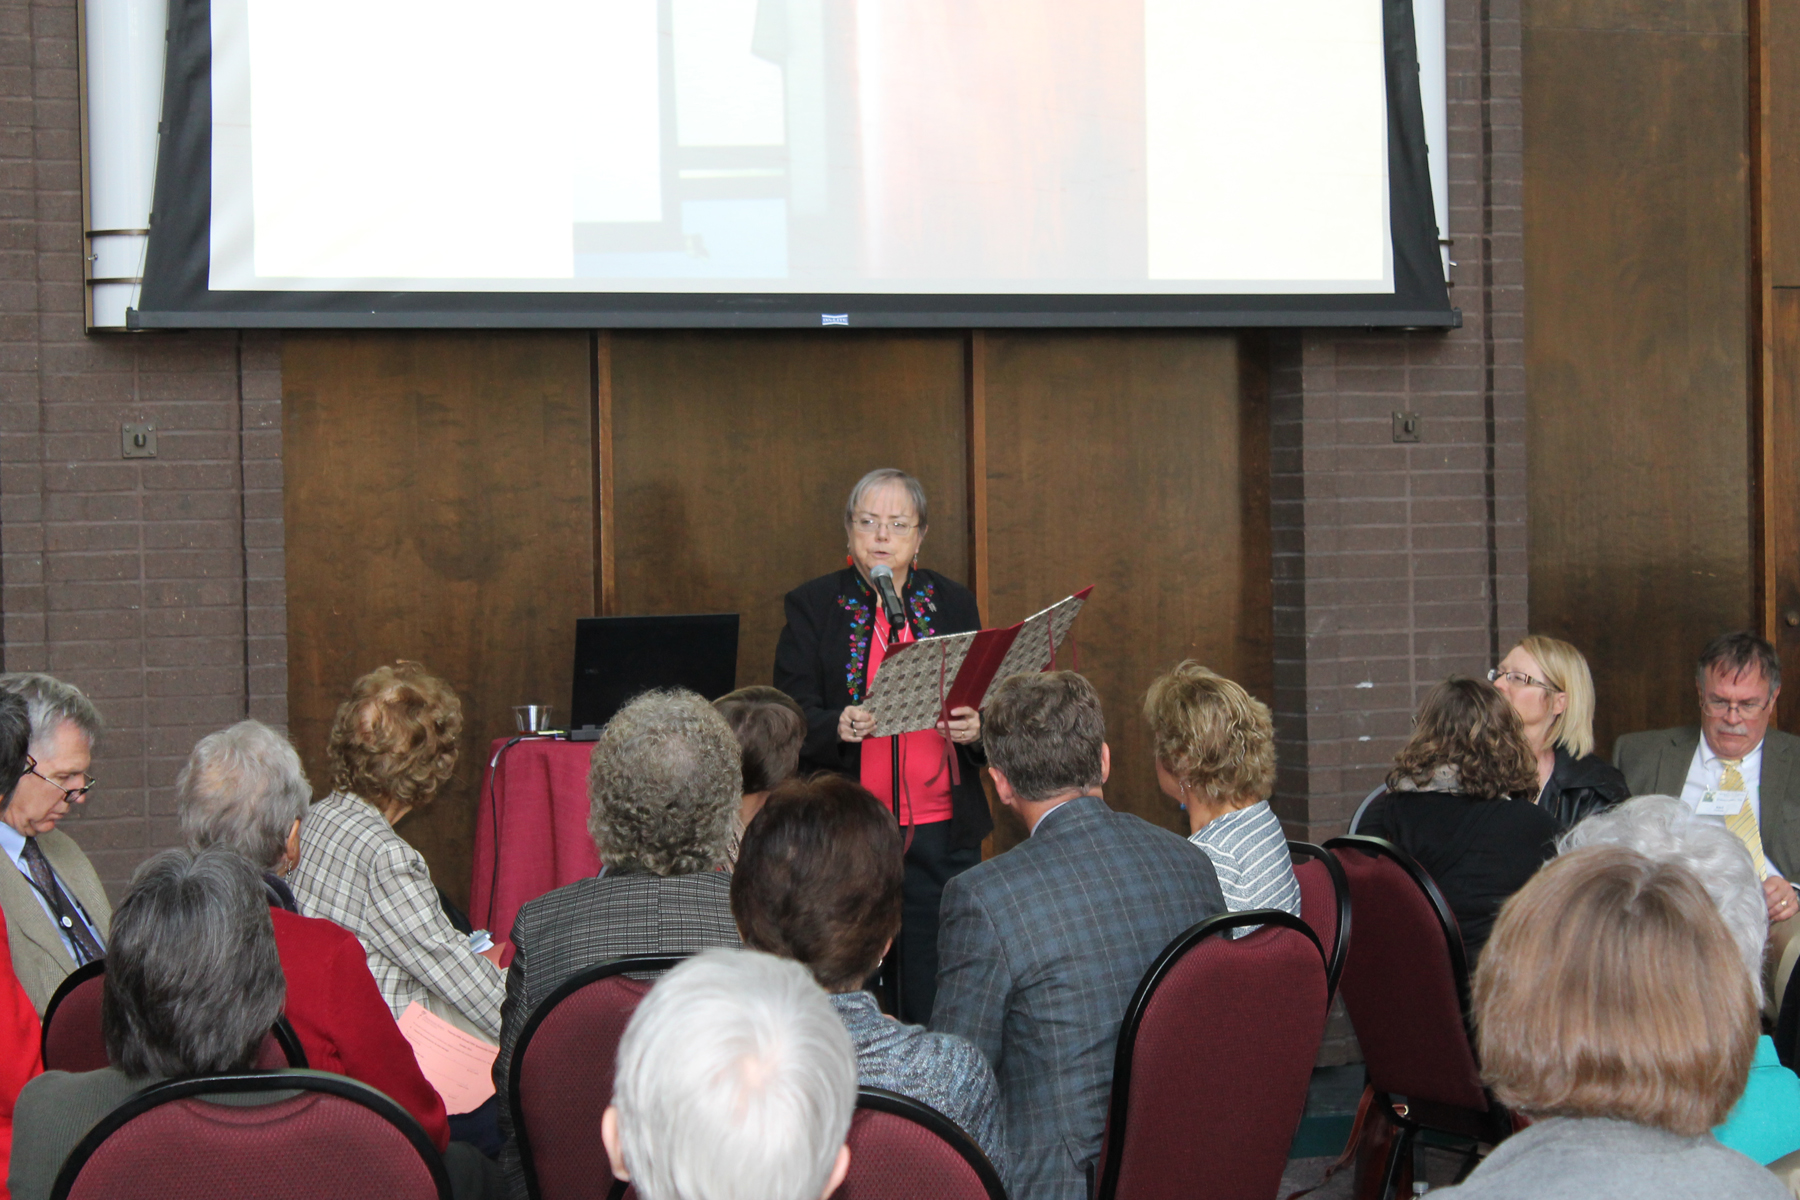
<point>618,657</point>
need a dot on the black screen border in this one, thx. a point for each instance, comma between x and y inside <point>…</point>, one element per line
<point>176,294</point>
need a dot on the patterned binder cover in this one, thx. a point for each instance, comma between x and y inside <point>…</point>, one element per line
<point>919,680</point>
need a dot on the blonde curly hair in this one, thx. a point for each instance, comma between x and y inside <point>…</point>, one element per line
<point>1212,735</point>
<point>393,741</point>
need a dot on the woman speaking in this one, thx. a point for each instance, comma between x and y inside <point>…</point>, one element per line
<point>836,636</point>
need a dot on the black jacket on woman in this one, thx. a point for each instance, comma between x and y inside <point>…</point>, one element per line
<point>1581,787</point>
<point>822,662</point>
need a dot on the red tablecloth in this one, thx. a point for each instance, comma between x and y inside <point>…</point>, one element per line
<point>531,832</point>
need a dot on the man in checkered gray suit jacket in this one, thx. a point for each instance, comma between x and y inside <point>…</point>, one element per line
<point>1041,948</point>
<point>664,785</point>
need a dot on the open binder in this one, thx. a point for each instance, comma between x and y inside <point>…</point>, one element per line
<point>920,683</point>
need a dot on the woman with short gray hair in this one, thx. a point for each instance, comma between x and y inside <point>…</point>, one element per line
<point>1765,1123</point>
<point>244,788</point>
<point>837,634</point>
<point>193,983</point>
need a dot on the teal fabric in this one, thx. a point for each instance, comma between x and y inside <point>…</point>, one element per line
<point>1766,1122</point>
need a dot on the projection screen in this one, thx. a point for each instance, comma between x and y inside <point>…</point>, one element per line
<point>792,163</point>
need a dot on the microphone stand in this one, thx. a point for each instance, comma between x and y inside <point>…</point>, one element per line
<point>896,992</point>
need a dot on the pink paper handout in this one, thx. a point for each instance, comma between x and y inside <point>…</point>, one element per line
<point>459,1065</point>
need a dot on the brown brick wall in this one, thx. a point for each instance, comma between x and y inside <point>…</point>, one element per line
<point>154,585</point>
<point>1398,564</point>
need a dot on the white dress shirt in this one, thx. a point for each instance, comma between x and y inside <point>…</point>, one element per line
<point>13,842</point>
<point>1703,777</point>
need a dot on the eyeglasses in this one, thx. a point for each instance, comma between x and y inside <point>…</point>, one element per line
<point>1521,679</point>
<point>71,794</point>
<point>1716,707</point>
<point>865,523</point>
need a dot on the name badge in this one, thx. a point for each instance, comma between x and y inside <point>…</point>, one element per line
<point>1721,804</point>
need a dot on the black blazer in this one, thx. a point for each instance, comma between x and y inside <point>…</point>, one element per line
<point>1580,787</point>
<point>822,662</point>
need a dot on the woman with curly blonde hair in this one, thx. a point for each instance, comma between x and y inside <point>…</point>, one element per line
<point>1215,757</point>
<point>1461,800</point>
<point>392,748</point>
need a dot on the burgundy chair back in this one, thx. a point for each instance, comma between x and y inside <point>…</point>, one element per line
<point>1213,1062</point>
<point>71,1037</point>
<point>1324,905</point>
<point>901,1149</point>
<point>1406,981</point>
<point>336,1140</point>
<point>562,1076</point>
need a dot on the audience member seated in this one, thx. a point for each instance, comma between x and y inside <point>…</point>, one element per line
<point>1731,767</point>
<point>770,727</point>
<point>820,880</point>
<point>56,911</point>
<point>243,788</point>
<point>1459,800</point>
<point>735,1078</point>
<point>1551,689</point>
<point>1613,1008</point>
<point>663,788</point>
<point>1041,948</point>
<point>21,1056</point>
<point>1766,1123</point>
<point>1215,757</point>
<point>392,747</point>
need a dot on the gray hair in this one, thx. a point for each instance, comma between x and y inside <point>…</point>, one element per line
<point>193,980</point>
<point>663,785</point>
<point>736,1081</point>
<point>242,788</point>
<point>1734,653</point>
<point>1663,829</point>
<point>915,491</point>
<point>50,702</point>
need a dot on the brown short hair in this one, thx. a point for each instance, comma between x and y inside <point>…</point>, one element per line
<point>770,728</point>
<point>1044,733</point>
<point>1611,988</point>
<point>818,879</point>
<point>394,739</point>
<point>1467,724</point>
<point>1211,735</point>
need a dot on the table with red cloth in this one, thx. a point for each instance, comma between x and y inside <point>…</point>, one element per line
<point>531,827</point>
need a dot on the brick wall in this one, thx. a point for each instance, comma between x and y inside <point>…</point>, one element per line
<point>1397,564</point>
<point>154,585</point>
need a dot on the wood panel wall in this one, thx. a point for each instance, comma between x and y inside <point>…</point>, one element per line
<point>439,508</point>
<point>461,499</point>
<point>1776,105</point>
<point>1637,209</point>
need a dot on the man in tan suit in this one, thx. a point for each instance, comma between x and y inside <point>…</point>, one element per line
<point>57,915</point>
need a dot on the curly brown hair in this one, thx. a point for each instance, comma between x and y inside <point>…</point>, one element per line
<point>1467,724</point>
<point>1211,735</point>
<point>393,740</point>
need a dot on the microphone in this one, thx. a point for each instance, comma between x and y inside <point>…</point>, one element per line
<point>883,575</point>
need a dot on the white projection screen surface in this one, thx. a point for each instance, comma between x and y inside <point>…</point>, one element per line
<point>898,162</point>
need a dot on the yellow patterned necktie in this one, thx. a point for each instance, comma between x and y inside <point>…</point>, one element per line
<point>1743,822</point>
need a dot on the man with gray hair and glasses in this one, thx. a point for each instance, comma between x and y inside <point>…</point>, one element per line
<point>735,1078</point>
<point>57,914</point>
<point>1731,767</point>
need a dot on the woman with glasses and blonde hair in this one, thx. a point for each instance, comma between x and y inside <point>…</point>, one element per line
<point>1551,689</point>
<point>836,636</point>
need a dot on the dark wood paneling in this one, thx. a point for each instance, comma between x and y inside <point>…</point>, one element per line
<point>1137,462</point>
<point>1784,495</point>
<point>1781,44</point>
<point>1636,228</point>
<point>439,503</point>
<point>733,455</point>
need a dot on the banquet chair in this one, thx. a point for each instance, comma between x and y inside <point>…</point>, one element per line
<point>901,1148</point>
<point>72,1038</point>
<point>1213,1061</point>
<point>1324,905</point>
<point>1406,987</point>
<point>562,1075</point>
<point>336,1139</point>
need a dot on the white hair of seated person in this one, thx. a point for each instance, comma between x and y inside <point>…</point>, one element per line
<point>736,1080</point>
<point>1663,829</point>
